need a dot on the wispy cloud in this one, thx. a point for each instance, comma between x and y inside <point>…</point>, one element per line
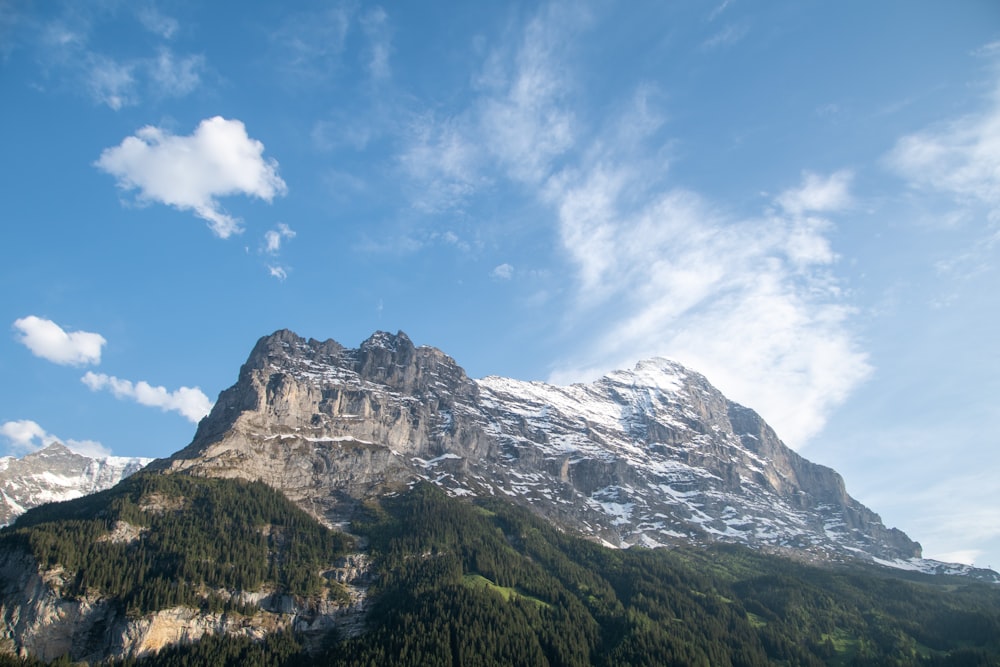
<point>191,172</point>
<point>156,22</point>
<point>960,158</point>
<point>24,436</point>
<point>307,47</point>
<point>273,240</point>
<point>67,57</point>
<point>523,115</point>
<point>175,77</point>
<point>444,160</point>
<point>48,340</point>
<point>190,402</point>
<point>375,24</point>
<point>727,36</point>
<point>518,126</point>
<point>818,194</point>
<point>110,82</point>
<point>749,303</point>
<point>274,237</point>
<point>658,270</point>
<point>503,272</point>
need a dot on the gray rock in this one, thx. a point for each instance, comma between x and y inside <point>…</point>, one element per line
<point>651,456</point>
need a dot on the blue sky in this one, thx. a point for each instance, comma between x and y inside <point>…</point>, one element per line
<point>800,200</point>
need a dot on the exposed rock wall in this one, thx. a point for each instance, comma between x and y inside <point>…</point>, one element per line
<point>38,620</point>
<point>648,456</point>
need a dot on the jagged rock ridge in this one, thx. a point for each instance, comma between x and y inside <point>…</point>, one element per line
<point>650,456</point>
<point>56,473</point>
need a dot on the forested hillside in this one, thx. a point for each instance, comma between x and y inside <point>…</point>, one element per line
<point>487,583</point>
<point>157,541</point>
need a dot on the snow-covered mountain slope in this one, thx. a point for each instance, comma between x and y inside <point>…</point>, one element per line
<point>651,456</point>
<point>54,474</point>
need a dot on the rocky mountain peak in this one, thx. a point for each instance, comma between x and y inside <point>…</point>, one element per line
<point>652,455</point>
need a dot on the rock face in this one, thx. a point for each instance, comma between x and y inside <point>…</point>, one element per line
<point>649,456</point>
<point>37,619</point>
<point>54,474</point>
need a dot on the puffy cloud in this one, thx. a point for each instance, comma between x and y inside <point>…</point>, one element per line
<point>278,272</point>
<point>191,172</point>
<point>25,436</point>
<point>48,340</point>
<point>190,402</point>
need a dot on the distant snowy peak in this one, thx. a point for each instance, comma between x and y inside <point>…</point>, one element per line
<point>54,474</point>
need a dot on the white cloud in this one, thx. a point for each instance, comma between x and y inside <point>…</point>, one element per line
<point>110,82</point>
<point>278,272</point>
<point>274,237</point>
<point>157,23</point>
<point>175,78</point>
<point>120,84</point>
<point>960,158</point>
<point>26,436</point>
<point>445,160</point>
<point>659,271</point>
<point>190,402</point>
<point>65,52</point>
<point>818,194</point>
<point>191,172</point>
<point>48,340</point>
<point>749,303</point>
<point>520,124</point>
<point>503,272</point>
<point>523,116</point>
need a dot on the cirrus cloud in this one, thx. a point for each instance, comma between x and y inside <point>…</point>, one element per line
<point>48,340</point>
<point>190,402</point>
<point>192,172</point>
<point>749,303</point>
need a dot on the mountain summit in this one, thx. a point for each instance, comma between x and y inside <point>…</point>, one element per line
<point>55,473</point>
<point>650,456</point>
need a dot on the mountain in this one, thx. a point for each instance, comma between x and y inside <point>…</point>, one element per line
<point>171,570</point>
<point>56,473</point>
<point>650,456</point>
<point>376,505</point>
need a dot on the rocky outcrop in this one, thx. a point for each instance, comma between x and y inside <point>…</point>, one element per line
<point>54,474</point>
<point>649,456</point>
<point>38,620</point>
